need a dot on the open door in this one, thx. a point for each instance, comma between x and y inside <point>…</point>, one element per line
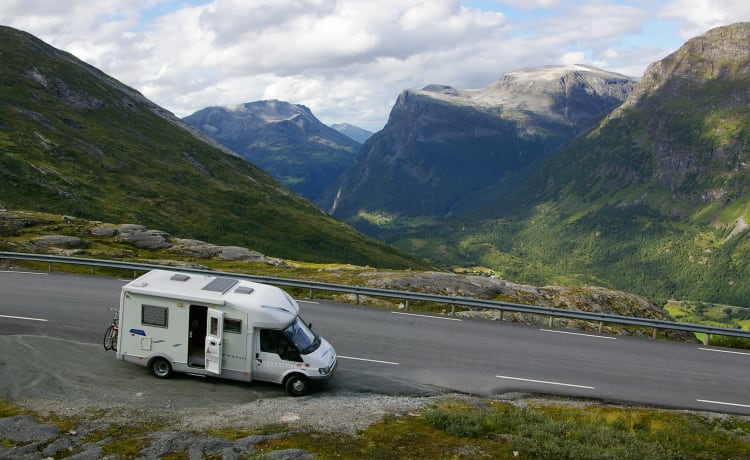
<point>214,334</point>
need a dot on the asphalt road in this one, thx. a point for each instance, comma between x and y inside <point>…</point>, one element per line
<point>396,352</point>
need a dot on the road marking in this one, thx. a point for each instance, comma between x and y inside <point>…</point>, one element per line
<point>22,273</point>
<point>578,333</point>
<point>723,403</point>
<point>426,316</point>
<point>725,351</point>
<point>23,317</point>
<point>369,360</point>
<point>307,301</point>
<point>545,382</point>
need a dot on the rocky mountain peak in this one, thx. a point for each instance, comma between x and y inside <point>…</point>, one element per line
<point>720,54</point>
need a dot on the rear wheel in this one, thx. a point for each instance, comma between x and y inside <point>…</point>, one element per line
<point>108,338</point>
<point>297,385</point>
<point>161,368</point>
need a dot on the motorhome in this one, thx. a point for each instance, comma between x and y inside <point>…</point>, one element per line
<point>220,326</point>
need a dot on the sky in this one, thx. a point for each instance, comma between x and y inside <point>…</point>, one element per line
<point>348,60</point>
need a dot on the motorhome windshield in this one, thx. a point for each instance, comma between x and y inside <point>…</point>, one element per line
<point>301,336</point>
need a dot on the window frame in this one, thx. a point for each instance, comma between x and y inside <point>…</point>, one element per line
<point>165,315</point>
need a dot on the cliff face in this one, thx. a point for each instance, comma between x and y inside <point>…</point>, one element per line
<point>443,146</point>
<point>695,101</point>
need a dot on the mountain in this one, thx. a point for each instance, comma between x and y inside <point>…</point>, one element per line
<point>443,148</point>
<point>358,134</point>
<point>655,200</point>
<point>75,141</point>
<point>286,140</point>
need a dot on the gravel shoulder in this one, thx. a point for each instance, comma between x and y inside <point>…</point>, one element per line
<point>55,376</point>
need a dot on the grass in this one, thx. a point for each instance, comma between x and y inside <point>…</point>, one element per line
<point>457,429</point>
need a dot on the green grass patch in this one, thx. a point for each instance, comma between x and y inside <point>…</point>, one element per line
<point>490,429</point>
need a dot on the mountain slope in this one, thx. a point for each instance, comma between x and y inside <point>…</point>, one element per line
<point>442,145</point>
<point>285,140</point>
<point>358,134</point>
<point>656,200</point>
<point>75,141</point>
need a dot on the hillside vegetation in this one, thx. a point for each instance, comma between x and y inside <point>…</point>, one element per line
<point>75,141</point>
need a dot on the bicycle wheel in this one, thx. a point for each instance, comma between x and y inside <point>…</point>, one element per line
<point>108,338</point>
<point>114,339</point>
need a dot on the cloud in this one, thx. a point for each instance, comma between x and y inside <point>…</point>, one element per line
<point>348,59</point>
<point>698,16</point>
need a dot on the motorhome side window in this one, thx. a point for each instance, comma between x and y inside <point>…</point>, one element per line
<point>154,316</point>
<point>233,325</point>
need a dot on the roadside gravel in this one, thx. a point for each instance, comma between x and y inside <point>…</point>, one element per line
<point>84,382</point>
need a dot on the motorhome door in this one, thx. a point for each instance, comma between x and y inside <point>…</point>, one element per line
<point>214,333</point>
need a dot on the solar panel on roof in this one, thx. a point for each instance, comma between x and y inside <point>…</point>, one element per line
<point>220,285</point>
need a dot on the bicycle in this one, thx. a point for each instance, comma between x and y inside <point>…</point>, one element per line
<point>110,337</point>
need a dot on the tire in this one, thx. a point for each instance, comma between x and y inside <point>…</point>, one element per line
<point>297,385</point>
<point>161,368</point>
<point>113,345</point>
<point>108,338</point>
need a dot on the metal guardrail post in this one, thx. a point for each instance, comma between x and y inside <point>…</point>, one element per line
<point>707,340</point>
<point>310,295</point>
<point>655,333</point>
<point>406,305</point>
<point>356,298</point>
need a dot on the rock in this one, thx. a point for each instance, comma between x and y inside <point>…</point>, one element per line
<point>195,248</point>
<point>23,429</point>
<point>238,253</point>
<point>142,238</point>
<point>60,241</point>
<point>104,232</point>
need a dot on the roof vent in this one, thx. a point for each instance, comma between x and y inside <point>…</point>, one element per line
<point>179,277</point>
<point>244,290</point>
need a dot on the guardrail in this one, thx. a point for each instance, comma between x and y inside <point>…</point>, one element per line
<point>406,296</point>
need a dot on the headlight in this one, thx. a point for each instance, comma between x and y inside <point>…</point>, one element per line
<point>324,370</point>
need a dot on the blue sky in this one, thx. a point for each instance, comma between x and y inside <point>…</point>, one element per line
<point>348,60</point>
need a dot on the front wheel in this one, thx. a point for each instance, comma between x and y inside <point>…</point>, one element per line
<point>161,368</point>
<point>297,385</point>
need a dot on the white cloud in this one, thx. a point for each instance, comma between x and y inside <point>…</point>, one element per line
<point>348,59</point>
<point>698,16</point>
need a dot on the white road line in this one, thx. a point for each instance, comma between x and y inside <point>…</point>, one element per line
<point>23,273</point>
<point>723,403</point>
<point>426,316</point>
<point>545,382</point>
<point>578,333</point>
<point>369,360</point>
<point>307,301</point>
<point>23,317</point>
<point>725,351</point>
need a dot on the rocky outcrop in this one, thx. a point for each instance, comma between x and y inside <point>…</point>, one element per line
<point>69,236</point>
<point>589,299</point>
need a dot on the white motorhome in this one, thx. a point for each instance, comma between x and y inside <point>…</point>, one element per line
<point>220,326</point>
